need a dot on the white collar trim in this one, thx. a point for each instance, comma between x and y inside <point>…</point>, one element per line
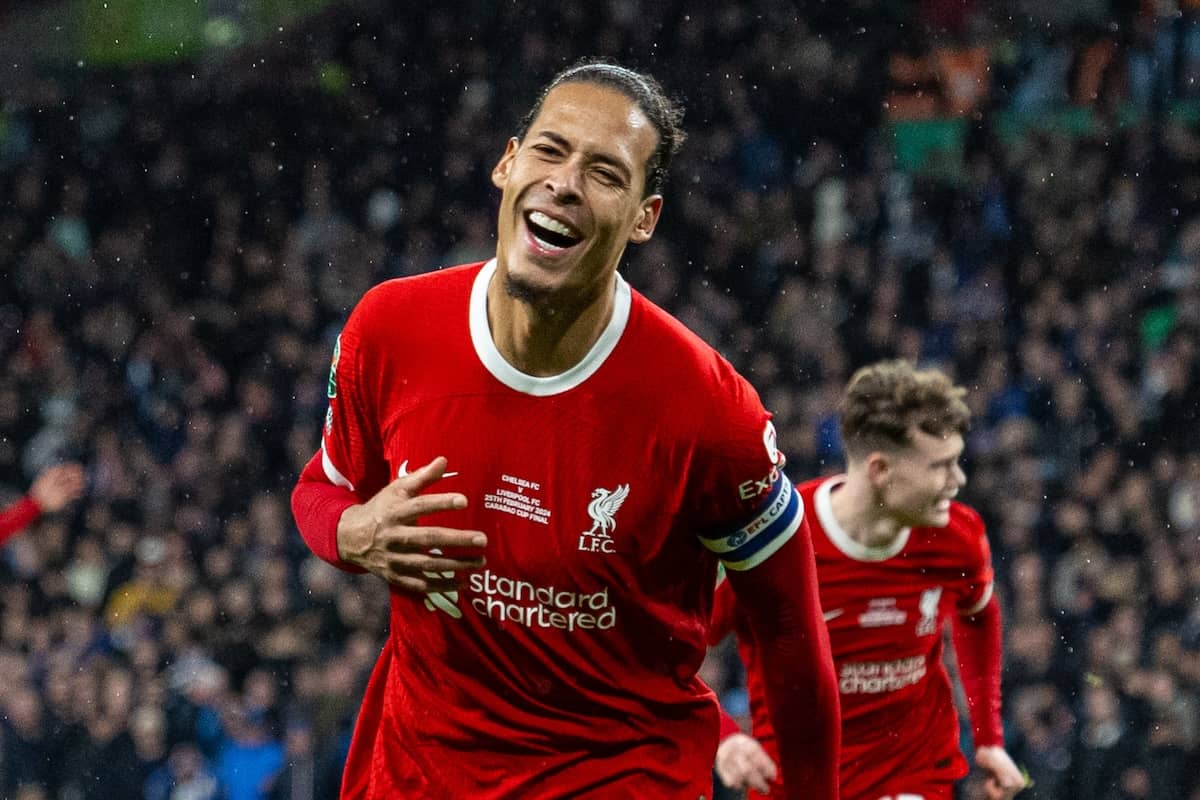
<point>842,540</point>
<point>513,378</point>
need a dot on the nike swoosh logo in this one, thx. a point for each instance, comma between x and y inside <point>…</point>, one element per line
<point>400,473</point>
<point>837,612</point>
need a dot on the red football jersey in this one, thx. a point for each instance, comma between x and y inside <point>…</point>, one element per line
<point>885,609</point>
<point>567,666</point>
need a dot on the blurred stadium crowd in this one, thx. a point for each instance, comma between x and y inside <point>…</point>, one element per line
<point>180,244</point>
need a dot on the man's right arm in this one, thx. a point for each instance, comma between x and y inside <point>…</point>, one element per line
<point>780,600</point>
<point>347,511</point>
<point>318,506</point>
<point>382,535</point>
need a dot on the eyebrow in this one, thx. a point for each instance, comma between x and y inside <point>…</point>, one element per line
<point>602,158</point>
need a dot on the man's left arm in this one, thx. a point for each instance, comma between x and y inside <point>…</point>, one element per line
<point>780,600</point>
<point>977,644</point>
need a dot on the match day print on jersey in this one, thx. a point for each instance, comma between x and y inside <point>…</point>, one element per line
<point>519,497</point>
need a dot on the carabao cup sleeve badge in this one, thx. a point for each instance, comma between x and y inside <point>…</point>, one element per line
<point>331,389</point>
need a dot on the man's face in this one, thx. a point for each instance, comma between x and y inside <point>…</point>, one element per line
<point>919,481</point>
<point>572,195</point>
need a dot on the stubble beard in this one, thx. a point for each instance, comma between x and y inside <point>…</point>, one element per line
<point>539,299</point>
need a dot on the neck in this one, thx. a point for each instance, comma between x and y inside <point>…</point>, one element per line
<point>859,510</point>
<point>544,337</point>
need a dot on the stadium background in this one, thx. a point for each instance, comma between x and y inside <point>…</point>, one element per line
<point>193,194</point>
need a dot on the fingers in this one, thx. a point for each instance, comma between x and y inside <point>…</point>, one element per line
<point>742,763</point>
<point>996,789</point>
<point>57,486</point>
<point>412,563</point>
<point>421,584</point>
<point>407,509</point>
<point>758,771</point>
<point>411,539</point>
<point>413,482</point>
<point>762,770</point>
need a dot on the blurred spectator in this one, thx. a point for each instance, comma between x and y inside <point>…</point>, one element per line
<point>52,490</point>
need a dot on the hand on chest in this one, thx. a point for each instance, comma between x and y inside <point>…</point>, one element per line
<point>539,518</point>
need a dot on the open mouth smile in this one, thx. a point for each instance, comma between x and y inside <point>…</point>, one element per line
<point>550,235</point>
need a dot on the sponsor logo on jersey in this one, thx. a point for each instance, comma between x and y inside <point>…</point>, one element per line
<point>834,614</point>
<point>603,511</point>
<point>525,603</point>
<point>403,470</point>
<point>928,606</point>
<point>882,613</point>
<point>748,490</point>
<point>876,677</point>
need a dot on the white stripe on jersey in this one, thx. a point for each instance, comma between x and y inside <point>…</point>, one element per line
<point>332,472</point>
<point>987,595</point>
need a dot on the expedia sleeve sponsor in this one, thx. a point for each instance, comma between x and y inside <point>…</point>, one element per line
<point>778,518</point>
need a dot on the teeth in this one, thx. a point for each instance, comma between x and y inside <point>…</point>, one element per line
<point>550,224</point>
<point>545,245</point>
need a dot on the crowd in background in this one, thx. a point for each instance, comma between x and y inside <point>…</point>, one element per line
<point>180,244</point>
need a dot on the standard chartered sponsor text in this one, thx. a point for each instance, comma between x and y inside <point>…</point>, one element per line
<point>873,677</point>
<point>524,603</point>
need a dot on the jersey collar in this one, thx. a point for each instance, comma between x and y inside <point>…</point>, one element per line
<point>513,378</point>
<point>842,540</point>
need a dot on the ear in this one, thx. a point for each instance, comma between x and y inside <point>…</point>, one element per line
<point>648,214</point>
<point>878,467</point>
<point>504,165</point>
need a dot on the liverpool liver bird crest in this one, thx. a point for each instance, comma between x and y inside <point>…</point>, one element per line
<point>603,509</point>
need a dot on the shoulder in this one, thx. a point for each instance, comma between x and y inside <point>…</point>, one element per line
<point>967,530</point>
<point>698,374</point>
<point>415,291</point>
<point>965,520</point>
<point>404,306</point>
<point>809,487</point>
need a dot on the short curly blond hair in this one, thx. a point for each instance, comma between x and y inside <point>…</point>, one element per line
<point>884,402</point>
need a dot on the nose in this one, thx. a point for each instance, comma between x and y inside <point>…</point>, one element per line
<point>958,476</point>
<point>565,181</point>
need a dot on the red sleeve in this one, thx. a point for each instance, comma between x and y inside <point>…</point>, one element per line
<point>723,613</point>
<point>350,467</point>
<point>17,517</point>
<point>317,505</point>
<point>977,644</point>
<point>779,598</point>
<point>729,725</point>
